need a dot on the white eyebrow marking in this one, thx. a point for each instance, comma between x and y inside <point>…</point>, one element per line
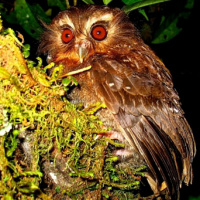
<point>92,19</point>
<point>66,20</point>
<point>105,17</point>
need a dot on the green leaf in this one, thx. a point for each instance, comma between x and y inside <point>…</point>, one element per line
<point>189,4</point>
<point>168,30</point>
<point>26,47</point>
<point>27,19</point>
<point>88,1</point>
<point>10,18</point>
<point>141,4</point>
<point>26,50</point>
<point>37,10</point>
<point>66,81</point>
<point>57,189</point>
<point>194,198</point>
<point>57,3</point>
<point>169,27</point>
<point>142,11</point>
<point>129,2</point>
<point>26,54</point>
<point>106,2</point>
<point>49,12</point>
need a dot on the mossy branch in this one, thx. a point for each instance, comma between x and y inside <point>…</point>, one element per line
<point>38,124</point>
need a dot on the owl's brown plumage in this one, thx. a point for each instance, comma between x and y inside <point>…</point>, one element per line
<point>134,84</point>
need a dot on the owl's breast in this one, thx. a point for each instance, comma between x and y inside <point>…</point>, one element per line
<point>85,93</point>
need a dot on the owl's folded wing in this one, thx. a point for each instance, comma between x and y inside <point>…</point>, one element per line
<point>149,113</point>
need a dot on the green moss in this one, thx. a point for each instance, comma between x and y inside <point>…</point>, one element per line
<point>34,104</point>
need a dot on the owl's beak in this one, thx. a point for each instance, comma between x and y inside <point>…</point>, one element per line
<point>83,51</point>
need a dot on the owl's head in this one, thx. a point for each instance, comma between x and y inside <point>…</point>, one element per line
<point>77,34</point>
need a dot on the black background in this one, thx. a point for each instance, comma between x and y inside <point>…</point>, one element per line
<point>181,55</point>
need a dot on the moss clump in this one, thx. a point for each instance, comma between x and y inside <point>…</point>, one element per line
<point>47,145</point>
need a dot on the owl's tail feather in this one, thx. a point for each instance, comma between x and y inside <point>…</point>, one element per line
<point>154,186</point>
<point>159,152</point>
<point>174,161</point>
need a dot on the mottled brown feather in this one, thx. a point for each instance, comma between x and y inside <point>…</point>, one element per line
<point>161,130</point>
<point>134,84</point>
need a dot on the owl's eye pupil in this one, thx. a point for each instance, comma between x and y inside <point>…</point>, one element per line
<point>67,35</point>
<point>99,33</point>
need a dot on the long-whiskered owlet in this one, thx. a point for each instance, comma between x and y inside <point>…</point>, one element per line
<point>143,109</point>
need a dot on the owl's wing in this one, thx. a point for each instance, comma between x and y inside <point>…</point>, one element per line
<point>147,109</point>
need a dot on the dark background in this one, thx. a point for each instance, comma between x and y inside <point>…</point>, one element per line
<point>181,56</point>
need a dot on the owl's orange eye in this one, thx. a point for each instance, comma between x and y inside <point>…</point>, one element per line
<point>67,35</point>
<point>99,33</point>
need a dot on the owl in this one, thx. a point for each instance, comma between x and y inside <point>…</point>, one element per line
<point>142,106</point>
